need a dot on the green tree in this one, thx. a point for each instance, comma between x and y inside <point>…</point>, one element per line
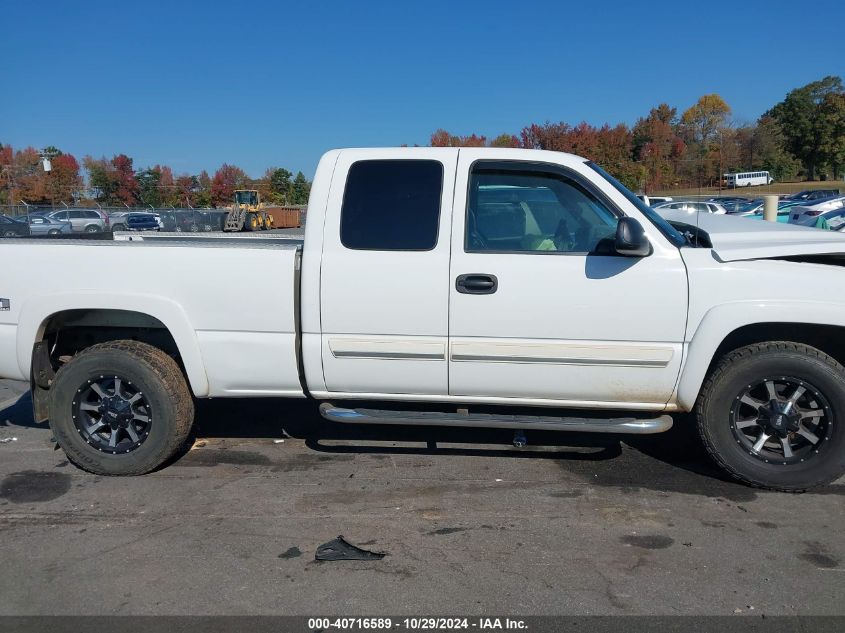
<point>300,189</point>
<point>101,179</point>
<point>149,181</point>
<point>280,185</point>
<point>812,120</point>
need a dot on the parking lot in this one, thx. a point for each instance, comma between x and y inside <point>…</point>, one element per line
<point>470,525</point>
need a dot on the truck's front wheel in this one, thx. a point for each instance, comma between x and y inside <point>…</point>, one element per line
<point>772,415</point>
<point>120,408</point>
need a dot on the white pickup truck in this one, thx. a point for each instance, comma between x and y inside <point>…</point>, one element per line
<point>468,287</point>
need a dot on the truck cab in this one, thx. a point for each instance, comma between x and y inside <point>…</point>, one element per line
<point>476,275</point>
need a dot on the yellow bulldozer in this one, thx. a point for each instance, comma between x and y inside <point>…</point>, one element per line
<point>247,213</point>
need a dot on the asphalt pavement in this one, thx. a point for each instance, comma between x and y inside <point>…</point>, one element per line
<point>469,524</point>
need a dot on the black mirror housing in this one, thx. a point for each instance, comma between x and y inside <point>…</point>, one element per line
<point>631,240</point>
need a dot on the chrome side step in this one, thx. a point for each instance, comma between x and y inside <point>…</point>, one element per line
<point>634,426</point>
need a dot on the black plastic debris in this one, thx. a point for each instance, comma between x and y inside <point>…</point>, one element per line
<point>340,549</point>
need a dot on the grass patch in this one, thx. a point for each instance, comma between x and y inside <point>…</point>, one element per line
<point>754,192</point>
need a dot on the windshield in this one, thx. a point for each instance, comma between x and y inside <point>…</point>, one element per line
<point>246,197</point>
<point>662,225</point>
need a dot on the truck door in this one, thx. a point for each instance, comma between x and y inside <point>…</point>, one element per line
<point>385,266</point>
<point>541,307</point>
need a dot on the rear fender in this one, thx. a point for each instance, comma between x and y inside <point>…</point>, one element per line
<point>37,310</point>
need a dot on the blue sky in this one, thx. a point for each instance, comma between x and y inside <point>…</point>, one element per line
<point>258,84</point>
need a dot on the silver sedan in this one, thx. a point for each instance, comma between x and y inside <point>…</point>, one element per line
<point>41,225</point>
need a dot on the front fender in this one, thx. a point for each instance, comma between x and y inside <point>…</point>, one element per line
<point>37,310</point>
<point>720,321</point>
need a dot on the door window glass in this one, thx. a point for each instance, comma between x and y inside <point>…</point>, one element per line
<point>533,211</point>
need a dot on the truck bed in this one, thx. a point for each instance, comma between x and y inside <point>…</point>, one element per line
<point>229,301</point>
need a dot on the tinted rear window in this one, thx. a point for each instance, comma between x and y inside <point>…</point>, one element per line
<point>391,205</point>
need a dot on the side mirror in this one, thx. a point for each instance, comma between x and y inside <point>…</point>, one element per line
<point>631,239</point>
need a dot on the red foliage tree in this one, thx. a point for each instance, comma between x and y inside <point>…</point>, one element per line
<point>225,181</point>
<point>64,181</point>
<point>124,175</point>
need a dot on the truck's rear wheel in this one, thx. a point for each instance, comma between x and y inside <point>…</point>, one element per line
<point>773,415</point>
<point>120,408</point>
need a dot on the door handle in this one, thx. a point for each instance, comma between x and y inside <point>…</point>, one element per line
<point>477,284</point>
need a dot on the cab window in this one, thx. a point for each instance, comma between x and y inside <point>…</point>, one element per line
<point>391,205</point>
<point>533,210</point>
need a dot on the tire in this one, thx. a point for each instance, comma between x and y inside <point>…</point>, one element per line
<point>729,419</point>
<point>10,234</point>
<point>165,402</point>
<point>92,228</point>
<point>53,232</point>
<point>250,222</point>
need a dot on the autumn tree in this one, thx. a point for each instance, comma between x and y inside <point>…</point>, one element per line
<point>64,180</point>
<point>505,140</point>
<point>703,121</point>
<point>30,179</point>
<point>113,181</point>
<point>611,147</point>
<point>442,138</point>
<point>6,175</point>
<point>168,191</point>
<point>124,174</point>
<point>225,181</point>
<point>657,146</point>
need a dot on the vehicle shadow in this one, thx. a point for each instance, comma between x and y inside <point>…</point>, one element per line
<point>673,461</point>
<point>19,413</point>
<point>300,419</point>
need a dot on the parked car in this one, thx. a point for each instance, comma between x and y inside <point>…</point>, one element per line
<point>732,204</point>
<point>691,206</point>
<point>813,194</point>
<point>815,209</point>
<point>746,206</point>
<point>42,225</point>
<point>831,220</point>
<point>415,285</point>
<point>10,227</point>
<point>82,220</point>
<point>134,221</point>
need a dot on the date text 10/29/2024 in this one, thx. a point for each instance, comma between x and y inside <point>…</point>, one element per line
<point>417,624</point>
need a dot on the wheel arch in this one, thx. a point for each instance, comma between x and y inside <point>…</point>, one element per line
<point>731,326</point>
<point>42,317</point>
